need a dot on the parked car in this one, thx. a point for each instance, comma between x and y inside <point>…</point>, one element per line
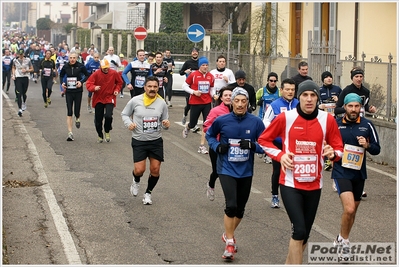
<point>178,79</point>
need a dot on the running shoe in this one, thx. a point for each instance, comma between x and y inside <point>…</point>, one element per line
<point>23,106</point>
<point>228,253</point>
<point>343,249</point>
<point>147,199</point>
<point>185,132</point>
<point>184,120</point>
<point>210,192</point>
<point>107,137</point>
<point>100,140</point>
<point>46,105</point>
<point>48,100</point>
<point>267,159</point>
<point>121,96</point>
<point>364,194</point>
<point>224,238</point>
<point>89,109</point>
<point>70,136</point>
<point>275,202</point>
<point>202,149</point>
<point>134,189</point>
<point>327,165</point>
<point>77,123</point>
<point>260,155</point>
<point>20,113</point>
<point>195,129</point>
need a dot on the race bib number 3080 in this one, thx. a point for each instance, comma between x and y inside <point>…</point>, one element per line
<point>150,124</point>
<point>305,168</point>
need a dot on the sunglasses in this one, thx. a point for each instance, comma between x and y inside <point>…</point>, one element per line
<point>272,81</point>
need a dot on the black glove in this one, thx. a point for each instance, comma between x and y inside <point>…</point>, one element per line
<point>260,102</point>
<point>113,62</point>
<point>223,148</point>
<point>246,144</point>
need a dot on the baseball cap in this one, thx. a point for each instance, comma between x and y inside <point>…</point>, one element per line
<point>21,51</point>
<point>104,64</point>
<point>121,55</point>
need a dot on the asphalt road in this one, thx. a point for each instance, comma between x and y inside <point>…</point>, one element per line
<point>69,202</point>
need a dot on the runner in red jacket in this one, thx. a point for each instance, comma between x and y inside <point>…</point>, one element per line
<point>105,85</point>
<point>308,135</point>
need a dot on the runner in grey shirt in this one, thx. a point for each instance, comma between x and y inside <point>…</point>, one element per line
<point>146,115</point>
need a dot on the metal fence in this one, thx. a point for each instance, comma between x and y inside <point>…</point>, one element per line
<point>380,77</point>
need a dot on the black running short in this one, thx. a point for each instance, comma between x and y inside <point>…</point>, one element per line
<point>147,149</point>
<point>355,186</point>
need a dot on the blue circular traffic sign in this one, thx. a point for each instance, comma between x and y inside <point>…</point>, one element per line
<point>195,33</point>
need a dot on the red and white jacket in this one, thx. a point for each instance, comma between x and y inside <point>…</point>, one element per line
<point>305,139</point>
<point>197,81</point>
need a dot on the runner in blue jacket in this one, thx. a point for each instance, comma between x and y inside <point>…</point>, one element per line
<point>238,131</point>
<point>358,135</point>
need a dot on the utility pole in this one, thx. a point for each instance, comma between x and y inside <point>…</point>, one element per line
<point>229,35</point>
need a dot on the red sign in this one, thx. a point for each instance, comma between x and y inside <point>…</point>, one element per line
<point>140,33</point>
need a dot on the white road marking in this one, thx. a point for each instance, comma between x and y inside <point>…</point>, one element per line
<point>70,250</point>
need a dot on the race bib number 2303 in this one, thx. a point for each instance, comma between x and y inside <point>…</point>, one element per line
<point>305,168</point>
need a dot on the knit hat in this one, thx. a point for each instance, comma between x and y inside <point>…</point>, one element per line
<point>239,91</point>
<point>104,64</point>
<point>195,49</point>
<point>240,74</point>
<point>352,97</point>
<point>355,72</point>
<point>308,85</point>
<point>325,75</point>
<point>272,74</point>
<point>202,60</point>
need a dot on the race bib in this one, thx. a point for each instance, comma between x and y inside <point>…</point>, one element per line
<point>150,124</point>
<point>139,81</point>
<point>329,107</point>
<point>71,82</point>
<point>7,61</point>
<point>236,154</point>
<point>203,87</point>
<point>353,157</point>
<point>160,80</point>
<point>305,168</point>
<point>46,72</point>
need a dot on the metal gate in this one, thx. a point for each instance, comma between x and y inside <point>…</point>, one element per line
<point>324,56</point>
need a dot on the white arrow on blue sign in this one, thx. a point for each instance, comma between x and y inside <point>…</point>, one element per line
<point>195,33</point>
